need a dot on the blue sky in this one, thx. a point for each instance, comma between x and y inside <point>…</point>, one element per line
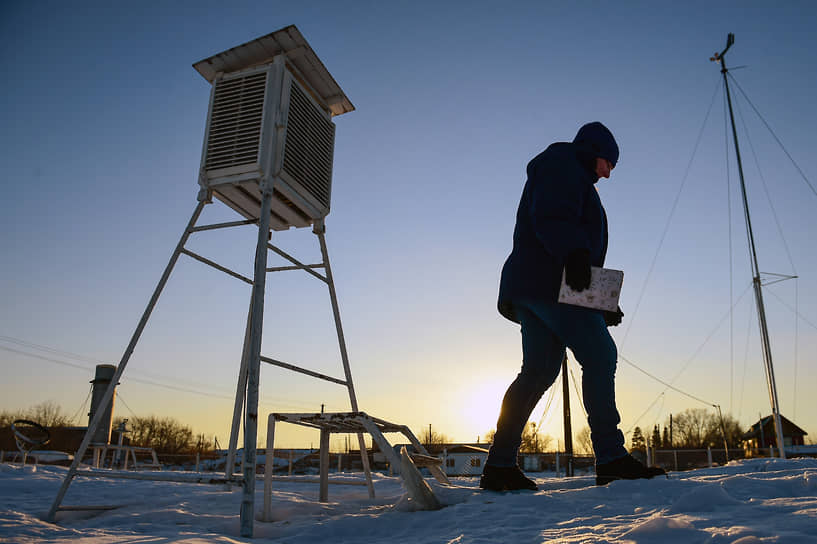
<point>103,120</point>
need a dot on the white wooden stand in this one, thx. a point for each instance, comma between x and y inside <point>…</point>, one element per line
<point>348,423</point>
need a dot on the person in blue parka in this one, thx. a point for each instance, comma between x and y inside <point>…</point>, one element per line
<point>561,226</point>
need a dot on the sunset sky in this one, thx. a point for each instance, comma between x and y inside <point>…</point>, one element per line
<point>103,119</point>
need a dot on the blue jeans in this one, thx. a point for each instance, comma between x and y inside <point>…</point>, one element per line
<point>547,329</point>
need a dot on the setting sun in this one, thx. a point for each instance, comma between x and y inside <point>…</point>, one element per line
<point>482,402</point>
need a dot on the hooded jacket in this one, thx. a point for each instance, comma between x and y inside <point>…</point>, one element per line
<point>560,211</point>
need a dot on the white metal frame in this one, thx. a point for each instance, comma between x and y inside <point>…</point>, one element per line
<point>248,379</point>
<point>346,422</point>
<point>101,451</point>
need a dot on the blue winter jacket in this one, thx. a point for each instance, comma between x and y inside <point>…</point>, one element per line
<point>560,211</point>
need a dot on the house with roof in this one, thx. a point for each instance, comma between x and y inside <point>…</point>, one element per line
<point>457,459</point>
<point>464,460</point>
<point>761,436</point>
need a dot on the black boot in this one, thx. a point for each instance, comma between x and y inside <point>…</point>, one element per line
<point>625,468</point>
<point>505,479</point>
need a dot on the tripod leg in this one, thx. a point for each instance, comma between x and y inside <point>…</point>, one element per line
<point>254,362</point>
<point>320,231</point>
<point>106,399</point>
<point>240,395</point>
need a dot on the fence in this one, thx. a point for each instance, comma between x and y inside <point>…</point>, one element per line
<point>688,459</point>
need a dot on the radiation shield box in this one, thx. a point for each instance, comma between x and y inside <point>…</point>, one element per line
<point>603,293</point>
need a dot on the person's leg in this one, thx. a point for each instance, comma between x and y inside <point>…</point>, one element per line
<point>585,333</point>
<point>542,354</point>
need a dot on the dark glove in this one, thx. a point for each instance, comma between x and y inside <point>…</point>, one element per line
<point>577,269</point>
<point>613,318</point>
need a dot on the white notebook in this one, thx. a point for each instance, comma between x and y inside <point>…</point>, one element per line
<point>603,293</point>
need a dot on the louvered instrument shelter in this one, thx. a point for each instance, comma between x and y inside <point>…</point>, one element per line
<point>270,115</point>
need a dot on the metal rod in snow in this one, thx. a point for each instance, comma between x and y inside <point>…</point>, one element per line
<point>319,229</point>
<point>723,432</point>
<point>761,312</point>
<point>568,428</point>
<point>106,399</point>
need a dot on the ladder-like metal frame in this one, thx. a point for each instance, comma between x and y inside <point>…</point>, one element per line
<point>248,379</point>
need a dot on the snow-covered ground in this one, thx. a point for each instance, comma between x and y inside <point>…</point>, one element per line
<point>744,502</point>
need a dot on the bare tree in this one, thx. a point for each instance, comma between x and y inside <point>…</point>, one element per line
<point>431,439</point>
<point>728,428</point>
<point>165,435</point>
<point>691,428</point>
<point>700,428</point>
<point>534,441</point>
<point>583,442</point>
<point>48,414</point>
<point>7,418</point>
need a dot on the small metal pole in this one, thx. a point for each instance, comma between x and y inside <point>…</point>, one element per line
<point>567,426</point>
<point>723,433</point>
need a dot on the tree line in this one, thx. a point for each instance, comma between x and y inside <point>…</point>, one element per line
<point>694,428</point>
<point>165,435</point>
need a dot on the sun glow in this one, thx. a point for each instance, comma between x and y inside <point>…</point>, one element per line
<point>482,401</point>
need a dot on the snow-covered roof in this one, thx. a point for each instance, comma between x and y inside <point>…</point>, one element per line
<point>464,448</point>
<point>287,41</point>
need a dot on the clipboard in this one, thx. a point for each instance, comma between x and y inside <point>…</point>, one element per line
<point>603,293</point>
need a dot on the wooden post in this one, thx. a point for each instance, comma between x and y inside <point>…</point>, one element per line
<point>269,466</point>
<point>567,425</point>
<point>324,458</point>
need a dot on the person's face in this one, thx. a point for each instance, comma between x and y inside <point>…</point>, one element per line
<point>603,167</point>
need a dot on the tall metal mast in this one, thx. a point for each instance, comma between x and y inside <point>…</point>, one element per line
<point>756,283</point>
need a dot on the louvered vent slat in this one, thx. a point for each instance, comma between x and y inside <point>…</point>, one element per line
<point>309,146</point>
<point>235,121</point>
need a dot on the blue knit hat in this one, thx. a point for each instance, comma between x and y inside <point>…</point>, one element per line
<point>598,139</point>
